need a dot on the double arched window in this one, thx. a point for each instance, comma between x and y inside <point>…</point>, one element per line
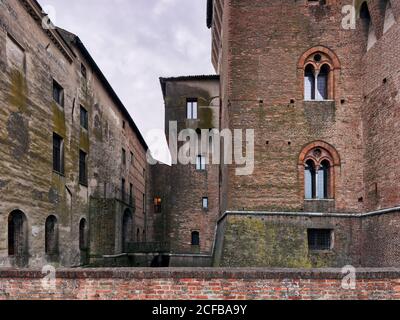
<point>318,66</point>
<point>318,161</point>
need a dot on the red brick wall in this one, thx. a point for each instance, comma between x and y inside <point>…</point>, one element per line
<point>381,110</point>
<point>260,55</point>
<point>201,284</point>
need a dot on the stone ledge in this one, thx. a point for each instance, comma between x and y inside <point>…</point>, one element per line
<point>204,273</point>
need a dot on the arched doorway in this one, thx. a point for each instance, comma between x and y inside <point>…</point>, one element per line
<point>83,241</point>
<point>127,229</point>
<point>18,238</point>
<point>51,237</point>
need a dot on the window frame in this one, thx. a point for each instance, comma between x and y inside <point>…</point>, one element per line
<point>83,168</point>
<point>205,203</point>
<point>192,108</point>
<point>157,205</point>
<point>58,164</point>
<point>60,96</point>
<point>316,239</point>
<point>201,163</point>
<point>195,235</point>
<point>84,117</point>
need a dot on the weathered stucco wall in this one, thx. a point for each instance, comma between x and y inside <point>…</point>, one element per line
<point>29,61</point>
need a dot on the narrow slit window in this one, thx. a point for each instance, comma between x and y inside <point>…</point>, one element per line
<point>58,154</point>
<point>83,180</point>
<point>84,118</point>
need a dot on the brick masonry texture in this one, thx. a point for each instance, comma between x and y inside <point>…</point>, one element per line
<point>201,284</point>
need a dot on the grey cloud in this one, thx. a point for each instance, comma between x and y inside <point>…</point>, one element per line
<point>136,41</point>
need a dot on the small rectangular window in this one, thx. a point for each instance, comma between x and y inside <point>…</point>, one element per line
<point>123,124</point>
<point>58,93</point>
<point>157,205</point>
<point>144,203</point>
<point>84,118</point>
<point>123,156</point>
<point>191,106</point>
<point>201,163</point>
<point>132,158</point>
<point>131,194</point>
<point>83,168</point>
<point>205,203</point>
<point>58,154</point>
<point>320,239</point>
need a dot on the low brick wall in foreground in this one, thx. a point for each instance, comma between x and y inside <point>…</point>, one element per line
<point>201,284</point>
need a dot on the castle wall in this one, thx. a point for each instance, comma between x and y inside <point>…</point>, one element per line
<point>181,187</point>
<point>380,111</point>
<point>29,116</point>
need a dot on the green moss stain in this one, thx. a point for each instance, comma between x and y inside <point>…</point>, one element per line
<point>258,243</point>
<point>84,142</point>
<point>18,97</point>
<point>206,118</point>
<point>59,120</point>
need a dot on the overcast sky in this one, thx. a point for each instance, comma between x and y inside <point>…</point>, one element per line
<point>134,42</point>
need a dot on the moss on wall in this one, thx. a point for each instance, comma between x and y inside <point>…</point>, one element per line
<point>18,97</point>
<point>262,242</point>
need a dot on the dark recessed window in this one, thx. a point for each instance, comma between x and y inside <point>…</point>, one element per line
<point>83,71</point>
<point>58,93</point>
<point>58,154</point>
<point>51,236</point>
<point>195,238</point>
<point>157,205</point>
<point>320,239</point>
<point>132,158</point>
<point>123,156</point>
<point>84,118</point>
<point>123,124</point>
<point>131,194</point>
<point>83,168</point>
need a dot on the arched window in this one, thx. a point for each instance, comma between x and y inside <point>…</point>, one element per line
<point>17,234</point>
<point>195,238</point>
<point>83,243</point>
<point>318,66</point>
<point>51,236</point>
<point>309,179</point>
<point>127,229</point>
<point>309,83</point>
<point>318,161</point>
<point>322,83</point>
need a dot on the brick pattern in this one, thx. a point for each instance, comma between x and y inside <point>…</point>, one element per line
<point>201,285</point>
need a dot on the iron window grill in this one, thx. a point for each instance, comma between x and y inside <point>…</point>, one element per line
<point>319,239</point>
